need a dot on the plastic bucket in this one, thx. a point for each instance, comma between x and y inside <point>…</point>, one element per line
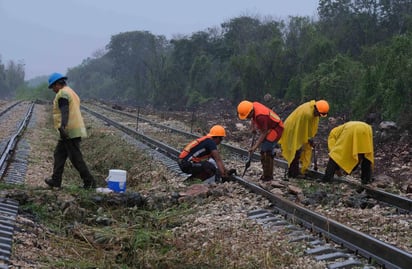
<point>116,180</point>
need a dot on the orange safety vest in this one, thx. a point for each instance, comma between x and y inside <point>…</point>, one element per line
<point>189,148</point>
<point>277,125</point>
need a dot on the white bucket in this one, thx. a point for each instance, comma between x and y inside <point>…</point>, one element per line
<point>116,180</point>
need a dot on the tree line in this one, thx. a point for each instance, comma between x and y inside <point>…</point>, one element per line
<point>356,54</point>
<point>11,77</point>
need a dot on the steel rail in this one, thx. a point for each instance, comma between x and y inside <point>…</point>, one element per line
<point>171,152</point>
<point>11,144</point>
<point>9,207</point>
<point>8,108</point>
<point>231,148</point>
<point>363,244</point>
<point>402,203</point>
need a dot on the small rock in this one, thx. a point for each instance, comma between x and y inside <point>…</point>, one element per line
<point>294,190</point>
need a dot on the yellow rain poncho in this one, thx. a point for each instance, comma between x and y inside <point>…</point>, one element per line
<point>300,126</point>
<point>348,140</point>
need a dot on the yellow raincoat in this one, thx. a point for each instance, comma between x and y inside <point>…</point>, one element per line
<point>348,140</point>
<point>300,126</point>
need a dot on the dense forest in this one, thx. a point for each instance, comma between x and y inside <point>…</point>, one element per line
<point>356,54</point>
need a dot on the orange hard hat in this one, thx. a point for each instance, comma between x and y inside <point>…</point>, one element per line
<point>217,130</point>
<point>322,106</point>
<point>243,109</point>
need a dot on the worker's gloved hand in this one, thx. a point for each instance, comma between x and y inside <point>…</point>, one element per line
<point>63,134</point>
<point>228,174</point>
<point>311,143</point>
<point>225,176</point>
<point>232,172</point>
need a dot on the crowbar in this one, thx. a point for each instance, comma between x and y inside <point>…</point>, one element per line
<point>315,158</point>
<point>249,159</point>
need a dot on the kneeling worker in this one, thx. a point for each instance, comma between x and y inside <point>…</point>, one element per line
<point>201,159</point>
<point>349,145</point>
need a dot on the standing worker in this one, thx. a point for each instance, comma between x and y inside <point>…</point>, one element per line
<point>301,127</point>
<point>202,160</point>
<point>68,121</point>
<point>350,144</point>
<point>270,127</point>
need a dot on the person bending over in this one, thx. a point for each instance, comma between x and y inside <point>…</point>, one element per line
<point>350,144</point>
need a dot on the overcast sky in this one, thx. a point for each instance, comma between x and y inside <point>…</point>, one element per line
<point>53,35</point>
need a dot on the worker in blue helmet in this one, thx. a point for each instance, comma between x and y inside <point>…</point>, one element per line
<point>68,121</point>
<point>54,78</point>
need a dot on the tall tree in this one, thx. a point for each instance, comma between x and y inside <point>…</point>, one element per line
<point>11,78</point>
<point>133,55</point>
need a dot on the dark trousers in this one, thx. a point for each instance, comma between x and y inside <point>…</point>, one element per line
<point>293,170</point>
<point>201,170</point>
<point>70,148</point>
<point>366,169</point>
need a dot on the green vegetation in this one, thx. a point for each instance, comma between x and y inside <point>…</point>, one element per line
<point>102,234</point>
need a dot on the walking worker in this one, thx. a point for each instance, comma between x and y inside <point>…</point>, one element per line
<point>301,127</point>
<point>270,128</point>
<point>202,160</point>
<point>68,121</point>
<point>350,144</point>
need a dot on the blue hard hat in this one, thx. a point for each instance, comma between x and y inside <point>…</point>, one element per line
<point>55,77</point>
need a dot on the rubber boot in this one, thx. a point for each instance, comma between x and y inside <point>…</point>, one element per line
<point>366,171</point>
<point>294,166</point>
<point>267,165</point>
<point>262,161</point>
<point>330,170</point>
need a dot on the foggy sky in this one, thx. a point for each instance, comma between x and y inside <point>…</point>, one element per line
<point>53,35</point>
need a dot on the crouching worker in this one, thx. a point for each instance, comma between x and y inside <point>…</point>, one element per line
<point>349,145</point>
<point>201,159</point>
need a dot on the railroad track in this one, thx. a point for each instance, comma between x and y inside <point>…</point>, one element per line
<point>402,203</point>
<point>353,244</point>
<point>11,172</point>
<point>318,230</point>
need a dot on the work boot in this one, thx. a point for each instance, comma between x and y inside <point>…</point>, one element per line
<point>294,168</point>
<point>53,183</point>
<point>366,171</point>
<point>294,165</point>
<point>331,168</point>
<point>210,180</point>
<point>89,184</point>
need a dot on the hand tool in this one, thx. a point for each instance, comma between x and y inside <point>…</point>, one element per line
<point>249,159</point>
